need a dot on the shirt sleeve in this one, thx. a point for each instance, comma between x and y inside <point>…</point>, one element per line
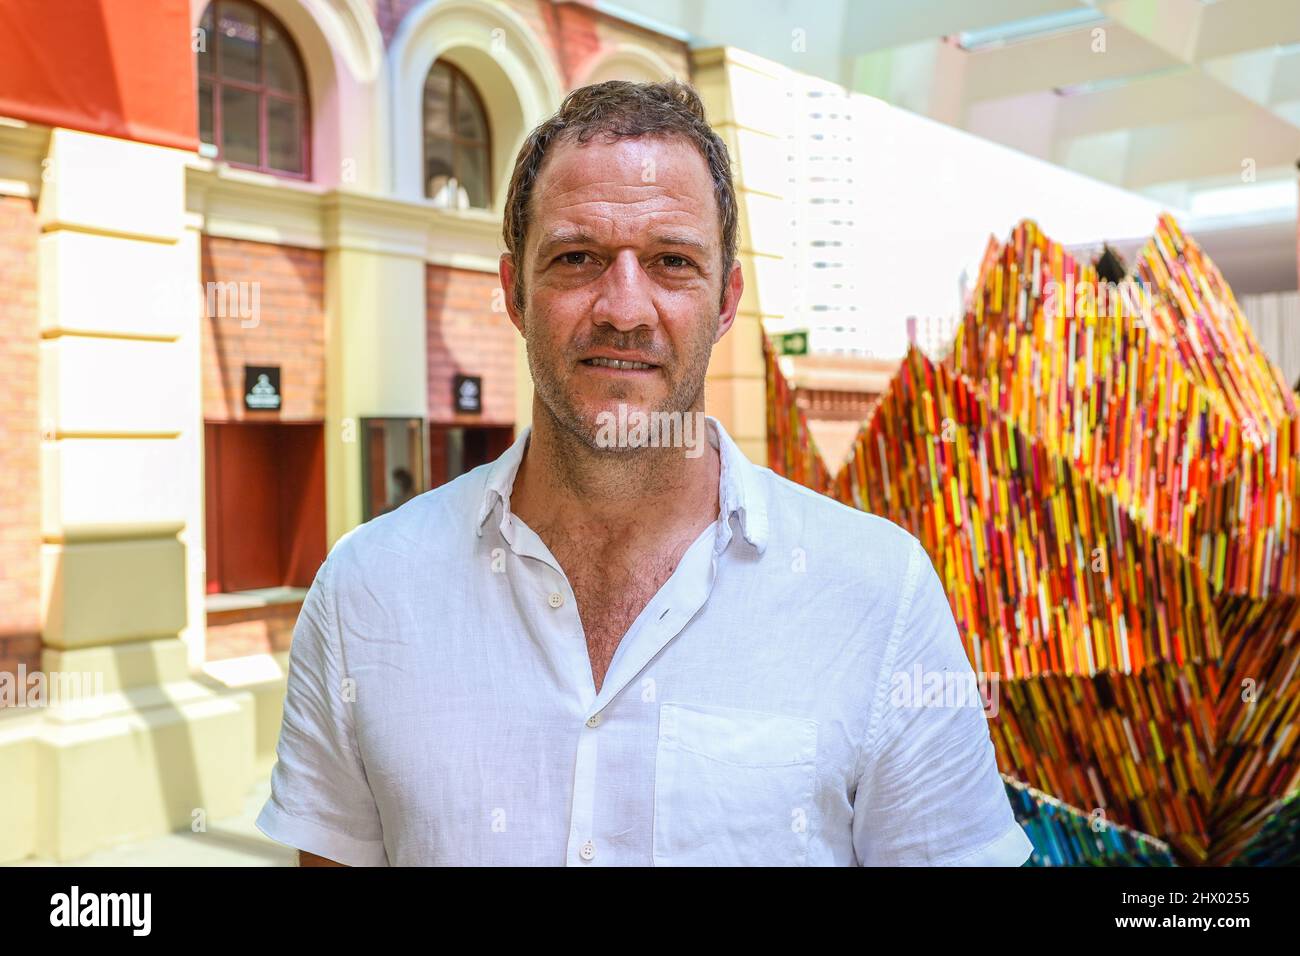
<point>320,800</point>
<point>929,792</point>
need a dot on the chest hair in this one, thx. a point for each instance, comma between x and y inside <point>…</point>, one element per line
<point>612,585</point>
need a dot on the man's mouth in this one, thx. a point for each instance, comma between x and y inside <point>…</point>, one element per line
<point>619,364</point>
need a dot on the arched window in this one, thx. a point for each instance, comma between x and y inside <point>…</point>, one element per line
<point>457,147</point>
<point>253,109</point>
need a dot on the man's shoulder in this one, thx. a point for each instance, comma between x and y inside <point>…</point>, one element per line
<point>820,515</point>
<point>429,524</point>
<point>867,549</point>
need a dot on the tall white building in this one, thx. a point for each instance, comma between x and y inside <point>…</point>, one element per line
<point>824,200</point>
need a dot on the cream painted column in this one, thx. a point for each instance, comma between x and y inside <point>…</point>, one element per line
<point>122,476</point>
<point>376,353</point>
<point>746,101</point>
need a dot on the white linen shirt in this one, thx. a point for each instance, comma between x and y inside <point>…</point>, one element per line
<point>441,707</point>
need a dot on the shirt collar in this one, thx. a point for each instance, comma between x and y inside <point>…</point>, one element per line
<point>740,489</point>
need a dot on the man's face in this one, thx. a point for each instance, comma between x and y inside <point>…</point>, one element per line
<point>622,260</point>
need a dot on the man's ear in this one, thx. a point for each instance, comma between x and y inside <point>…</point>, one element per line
<point>506,272</point>
<point>733,289</point>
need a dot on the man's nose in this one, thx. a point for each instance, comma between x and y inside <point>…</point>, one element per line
<point>626,298</point>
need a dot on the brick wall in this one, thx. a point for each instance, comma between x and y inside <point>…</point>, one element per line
<point>289,330</point>
<point>20,487</point>
<point>467,337</point>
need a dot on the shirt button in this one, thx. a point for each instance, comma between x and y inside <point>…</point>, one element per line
<point>587,851</point>
<point>556,599</point>
<point>593,720</point>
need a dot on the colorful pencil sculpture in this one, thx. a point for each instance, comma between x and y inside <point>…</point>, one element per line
<point>1105,476</point>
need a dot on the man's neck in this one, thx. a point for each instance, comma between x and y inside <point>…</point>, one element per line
<point>611,496</point>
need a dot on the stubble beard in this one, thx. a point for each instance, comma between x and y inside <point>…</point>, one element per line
<point>549,363</point>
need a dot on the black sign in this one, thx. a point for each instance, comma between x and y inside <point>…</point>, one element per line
<point>467,393</point>
<point>262,388</point>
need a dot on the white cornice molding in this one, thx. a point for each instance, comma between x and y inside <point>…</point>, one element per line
<point>470,239</point>
<point>716,56</point>
<point>237,204</point>
<point>467,239</point>
<point>364,223</point>
<point>23,147</point>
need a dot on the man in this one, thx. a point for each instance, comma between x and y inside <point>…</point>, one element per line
<point>404,481</point>
<point>609,648</point>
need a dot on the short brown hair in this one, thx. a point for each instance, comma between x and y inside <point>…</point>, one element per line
<point>618,109</point>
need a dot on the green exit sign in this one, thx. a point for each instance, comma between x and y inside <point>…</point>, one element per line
<point>792,343</point>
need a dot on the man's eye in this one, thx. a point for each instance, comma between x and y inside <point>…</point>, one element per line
<point>676,262</point>
<point>568,258</point>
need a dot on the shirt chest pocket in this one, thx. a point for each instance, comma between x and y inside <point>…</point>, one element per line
<point>732,787</point>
